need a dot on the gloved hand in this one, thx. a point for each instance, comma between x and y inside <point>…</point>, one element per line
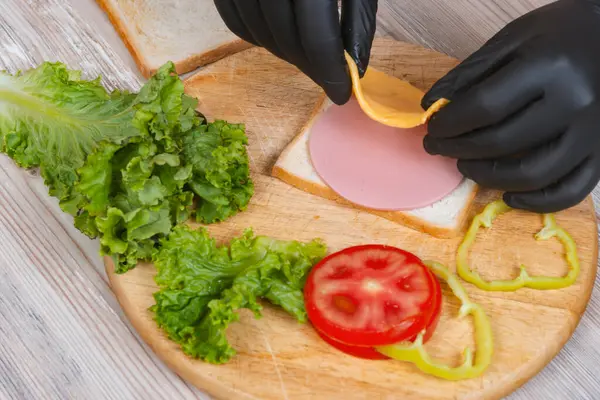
<point>308,34</point>
<point>524,115</point>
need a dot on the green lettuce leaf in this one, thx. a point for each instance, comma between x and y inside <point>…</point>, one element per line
<point>95,180</point>
<point>221,170</point>
<point>52,119</point>
<point>126,166</point>
<point>62,116</point>
<point>202,285</point>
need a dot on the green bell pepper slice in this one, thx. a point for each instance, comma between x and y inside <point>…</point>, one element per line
<point>551,229</point>
<point>472,366</point>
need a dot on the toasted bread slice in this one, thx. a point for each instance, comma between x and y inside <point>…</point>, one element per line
<point>190,33</point>
<point>445,218</point>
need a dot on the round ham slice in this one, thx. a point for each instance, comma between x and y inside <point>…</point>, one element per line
<point>377,166</point>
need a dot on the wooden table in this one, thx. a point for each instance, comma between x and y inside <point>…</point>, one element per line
<point>62,334</point>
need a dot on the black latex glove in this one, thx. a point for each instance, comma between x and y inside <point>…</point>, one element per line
<point>524,115</point>
<point>309,35</point>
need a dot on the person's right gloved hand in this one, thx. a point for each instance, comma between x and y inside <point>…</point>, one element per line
<point>309,35</point>
<point>524,111</point>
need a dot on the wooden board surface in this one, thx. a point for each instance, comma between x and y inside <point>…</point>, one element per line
<point>280,359</point>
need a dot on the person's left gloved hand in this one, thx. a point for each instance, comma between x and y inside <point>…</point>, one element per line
<point>524,111</point>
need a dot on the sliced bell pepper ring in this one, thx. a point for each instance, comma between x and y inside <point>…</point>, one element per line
<point>472,366</point>
<point>551,229</point>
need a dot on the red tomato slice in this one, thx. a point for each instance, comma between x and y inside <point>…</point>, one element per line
<point>370,295</point>
<point>368,353</point>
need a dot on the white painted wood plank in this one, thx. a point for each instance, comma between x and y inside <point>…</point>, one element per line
<point>454,27</point>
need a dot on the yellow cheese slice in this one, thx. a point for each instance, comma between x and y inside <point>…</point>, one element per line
<point>389,100</point>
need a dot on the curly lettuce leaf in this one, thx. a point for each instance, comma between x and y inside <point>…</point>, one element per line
<point>131,194</point>
<point>95,180</point>
<point>164,112</point>
<point>203,286</point>
<point>126,166</point>
<point>133,208</point>
<point>221,179</point>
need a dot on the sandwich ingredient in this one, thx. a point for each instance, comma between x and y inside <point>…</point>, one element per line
<point>220,170</point>
<point>371,295</point>
<point>358,158</point>
<point>473,366</point>
<point>126,166</point>
<point>203,286</point>
<point>389,100</point>
<point>551,229</point>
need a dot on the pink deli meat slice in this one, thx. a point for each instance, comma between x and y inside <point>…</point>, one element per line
<point>376,166</point>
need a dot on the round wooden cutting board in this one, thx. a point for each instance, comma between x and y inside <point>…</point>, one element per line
<point>281,359</point>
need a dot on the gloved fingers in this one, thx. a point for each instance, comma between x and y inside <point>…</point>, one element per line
<point>492,100</point>
<point>251,15</point>
<point>230,16</point>
<point>494,54</point>
<point>536,169</point>
<point>566,193</point>
<point>359,22</point>
<point>525,130</point>
<point>320,33</point>
<point>281,19</point>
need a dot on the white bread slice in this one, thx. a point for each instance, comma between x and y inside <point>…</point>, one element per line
<point>445,218</point>
<point>190,33</point>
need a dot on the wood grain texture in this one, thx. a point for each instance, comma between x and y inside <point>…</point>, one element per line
<point>57,311</point>
<point>280,359</point>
